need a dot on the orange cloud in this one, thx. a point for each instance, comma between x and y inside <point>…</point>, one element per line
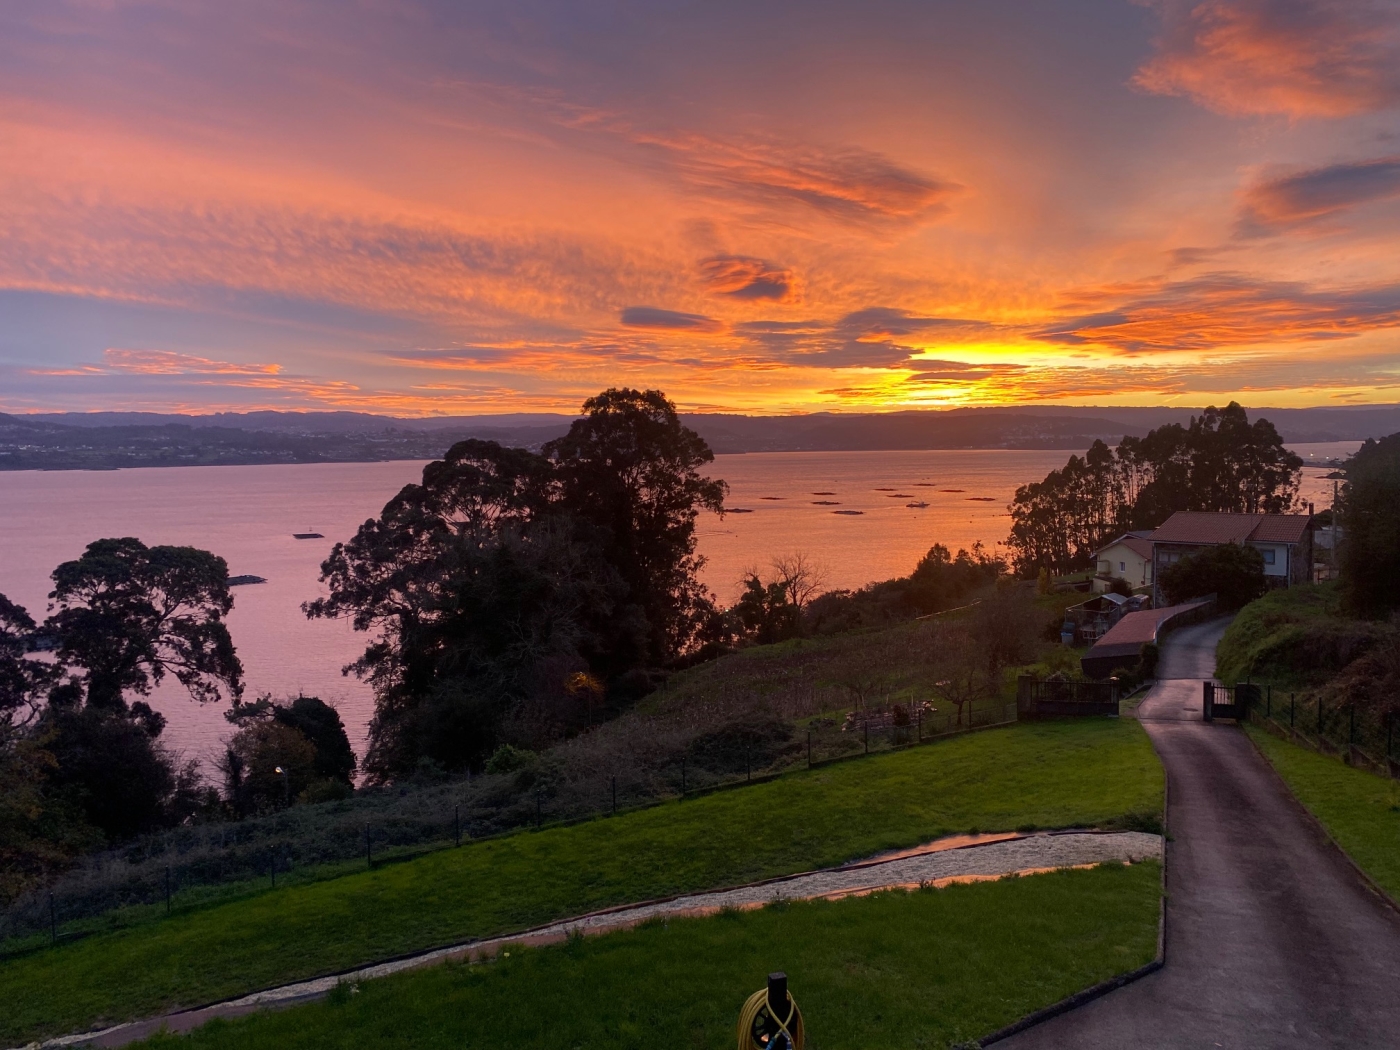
<point>744,277</point>
<point>1220,310</point>
<point>1298,58</point>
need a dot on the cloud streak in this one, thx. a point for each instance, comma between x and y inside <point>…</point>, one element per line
<point>1221,310</point>
<point>1297,58</point>
<point>1288,201</point>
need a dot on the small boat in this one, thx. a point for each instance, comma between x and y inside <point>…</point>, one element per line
<point>952,490</point>
<point>823,494</point>
<point>848,512</point>
<point>826,503</point>
<point>243,581</point>
<point>884,490</point>
<point>901,495</point>
<point>738,510</point>
<point>918,504</point>
<point>772,497</point>
<point>981,499</point>
<point>925,484</point>
<point>307,536</point>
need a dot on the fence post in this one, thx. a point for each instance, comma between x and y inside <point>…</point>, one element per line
<point>53,921</point>
<point>167,889</point>
<point>865,725</point>
<point>457,824</point>
<point>921,723</point>
<point>748,764</point>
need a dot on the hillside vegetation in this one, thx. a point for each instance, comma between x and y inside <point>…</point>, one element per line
<point>1080,773</point>
<point>1296,637</point>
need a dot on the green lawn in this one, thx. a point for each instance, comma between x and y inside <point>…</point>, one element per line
<point>924,969</point>
<point>1054,774</point>
<point>1361,810</point>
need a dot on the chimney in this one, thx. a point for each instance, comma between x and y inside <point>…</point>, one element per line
<point>1310,510</point>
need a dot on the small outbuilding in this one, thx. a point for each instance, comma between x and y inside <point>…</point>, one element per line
<point>1121,646</point>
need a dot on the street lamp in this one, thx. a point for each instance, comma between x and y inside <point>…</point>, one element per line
<point>286,787</point>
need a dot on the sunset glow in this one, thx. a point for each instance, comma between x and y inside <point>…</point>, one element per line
<point>427,208</point>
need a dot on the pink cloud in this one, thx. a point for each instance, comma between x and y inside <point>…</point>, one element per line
<point>1298,58</point>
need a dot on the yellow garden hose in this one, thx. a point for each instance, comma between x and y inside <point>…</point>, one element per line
<point>759,1017</point>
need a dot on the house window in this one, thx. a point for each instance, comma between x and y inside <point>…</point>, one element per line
<point>1122,567</point>
<point>1268,555</point>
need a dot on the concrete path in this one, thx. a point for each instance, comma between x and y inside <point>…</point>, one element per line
<point>1273,941</point>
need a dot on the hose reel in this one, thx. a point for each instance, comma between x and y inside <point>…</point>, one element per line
<point>770,1019</point>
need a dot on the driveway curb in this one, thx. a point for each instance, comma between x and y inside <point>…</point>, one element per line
<point>1101,989</point>
<point>1371,883</point>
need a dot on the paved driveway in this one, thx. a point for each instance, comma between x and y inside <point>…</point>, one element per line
<point>1272,940</point>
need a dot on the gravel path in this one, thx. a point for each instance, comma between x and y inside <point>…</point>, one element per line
<point>965,858</point>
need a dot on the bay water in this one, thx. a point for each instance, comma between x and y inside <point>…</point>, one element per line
<point>849,512</point>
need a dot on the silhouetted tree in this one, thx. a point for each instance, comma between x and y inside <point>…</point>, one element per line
<point>630,468</point>
<point>505,572</point>
<point>23,681</point>
<point>1370,520</point>
<point>1221,462</point>
<point>129,614</point>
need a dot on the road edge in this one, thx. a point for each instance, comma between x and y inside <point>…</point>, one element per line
<point>1375,887</point>
<point>1098,991</point>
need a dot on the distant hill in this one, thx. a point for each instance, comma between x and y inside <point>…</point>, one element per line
<point>108,440</point>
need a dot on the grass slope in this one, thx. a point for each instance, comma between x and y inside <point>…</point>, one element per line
<point>1359,809</point>
<point>1085,772</point>
<point>1293,637</point>
<point>923,969</point>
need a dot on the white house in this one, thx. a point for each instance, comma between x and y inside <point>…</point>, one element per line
<point>1128,558</point>
<point>1284,540</point>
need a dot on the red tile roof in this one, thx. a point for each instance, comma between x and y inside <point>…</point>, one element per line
<point>1188,526</point>
<point>1139,545</point>
<point>1128,634</point>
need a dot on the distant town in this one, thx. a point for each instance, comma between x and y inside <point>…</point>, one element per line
<point>114,440</point>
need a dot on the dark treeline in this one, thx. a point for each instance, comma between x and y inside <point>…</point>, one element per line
<point>1220,462</point>
<point>514,599</point>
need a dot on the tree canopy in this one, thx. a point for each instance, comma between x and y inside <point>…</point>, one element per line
<point>1370,520</point>
<point>1220,462</point>
<point>506,572</point>
<point>129,614</point>
<point>1233,572</point>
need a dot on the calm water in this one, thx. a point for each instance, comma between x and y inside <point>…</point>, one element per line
<point>248,514</point>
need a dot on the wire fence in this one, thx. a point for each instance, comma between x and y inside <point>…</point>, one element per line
<point>201,864</point>
<point>1358,734</point>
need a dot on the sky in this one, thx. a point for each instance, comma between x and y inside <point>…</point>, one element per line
<point>442,207</point>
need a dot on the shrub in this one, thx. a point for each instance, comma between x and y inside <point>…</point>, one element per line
<point>507,759</point>
<point>1232,572</point>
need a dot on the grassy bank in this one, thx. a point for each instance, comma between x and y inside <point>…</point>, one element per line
<point>1085,772</point>
<point>1359,809</point>
<point>1294,637</point>
<point>925,969</point>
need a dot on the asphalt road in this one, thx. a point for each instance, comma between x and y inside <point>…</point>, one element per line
<point>1273,940</point>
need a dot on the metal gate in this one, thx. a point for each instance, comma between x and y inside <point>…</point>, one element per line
<point>1228,701</point>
